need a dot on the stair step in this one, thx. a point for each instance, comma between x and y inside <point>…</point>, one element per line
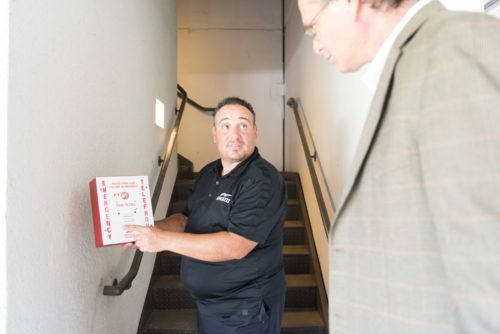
<point>301,294</point>
<point>302,323</point>
<point>293,209</point>
<point>294,224</point>
<point>182,189</point>
<point>169,293</point>
<point>291,188</point>
<point>293,233</point>
<point>185,322</point>
<point>185,167</point>
<point>171,322</point>
<point>169,263</point>
<point>185,172</point>
<point>177,206</point>
<point>295,259</point>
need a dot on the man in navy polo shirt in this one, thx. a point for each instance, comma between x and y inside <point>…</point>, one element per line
<point>231,232</point>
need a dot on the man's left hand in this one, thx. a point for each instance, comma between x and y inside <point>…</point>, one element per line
<point>146,239</point>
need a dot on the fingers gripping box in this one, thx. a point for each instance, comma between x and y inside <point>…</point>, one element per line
<point>118,201</point>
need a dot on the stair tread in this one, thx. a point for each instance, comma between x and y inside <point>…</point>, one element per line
<point>171,281</point>
<point>300,280</point>
<point>302,319</point>
<point>295,250</point>
<point>185,180</point>
<point>294,224</point>
<point>186,319</point>
<point>293,280</point>
<point>172,319</point>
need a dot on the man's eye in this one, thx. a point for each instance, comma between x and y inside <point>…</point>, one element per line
<point>243,126</point>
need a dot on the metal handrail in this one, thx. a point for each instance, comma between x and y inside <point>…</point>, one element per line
<point>198,106</point>
<point>126,282</point>
<point>292,103</point>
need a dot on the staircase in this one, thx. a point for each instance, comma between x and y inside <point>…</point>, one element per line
<point>169,309</point>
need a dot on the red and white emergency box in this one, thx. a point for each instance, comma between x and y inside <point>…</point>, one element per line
<point>118,201</point>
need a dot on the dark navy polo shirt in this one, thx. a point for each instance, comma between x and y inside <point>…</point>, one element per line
<point>249,201</point>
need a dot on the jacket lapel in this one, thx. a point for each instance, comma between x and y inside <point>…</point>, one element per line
<point>379,100</point>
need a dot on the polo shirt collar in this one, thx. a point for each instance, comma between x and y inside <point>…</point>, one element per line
<point>240,168</point>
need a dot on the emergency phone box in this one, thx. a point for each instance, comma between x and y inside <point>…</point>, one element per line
<point>118,201</point>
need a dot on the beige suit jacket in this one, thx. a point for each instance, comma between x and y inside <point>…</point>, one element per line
<point>415,245</point>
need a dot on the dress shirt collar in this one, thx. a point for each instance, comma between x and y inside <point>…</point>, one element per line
<point>374,70</point>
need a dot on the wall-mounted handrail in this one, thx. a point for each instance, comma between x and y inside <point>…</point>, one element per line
<point>198,106</point>
<point>126,282</point>
<point>292,103</point>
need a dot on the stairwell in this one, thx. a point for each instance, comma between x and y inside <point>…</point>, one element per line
<point>169,309</point>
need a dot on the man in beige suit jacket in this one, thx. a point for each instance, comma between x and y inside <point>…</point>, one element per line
<point>415,245</point>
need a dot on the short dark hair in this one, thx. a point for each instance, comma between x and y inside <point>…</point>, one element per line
<point>234,100</point>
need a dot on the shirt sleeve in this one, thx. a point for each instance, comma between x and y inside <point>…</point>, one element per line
<point>259,206</point>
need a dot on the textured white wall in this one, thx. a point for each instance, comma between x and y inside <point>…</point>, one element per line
<point>231,47</point>
<point>84,78</point>
<point>4,55</point>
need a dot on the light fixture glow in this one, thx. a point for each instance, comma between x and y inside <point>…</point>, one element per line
<point>160,114</point>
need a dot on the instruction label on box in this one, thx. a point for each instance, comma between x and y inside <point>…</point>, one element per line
<point>118,201</point>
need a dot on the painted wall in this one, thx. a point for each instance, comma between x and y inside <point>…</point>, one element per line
<point>468,5</point>
<point>231,47</point>
<point>334,107</point>
<point>4,55</point>
<point>84,77</point>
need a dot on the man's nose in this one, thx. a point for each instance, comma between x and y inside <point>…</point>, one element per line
<point>234,132</point>
<point>317,47</point>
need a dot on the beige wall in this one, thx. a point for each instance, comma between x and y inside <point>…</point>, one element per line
<point>83,80</point>
<point>4,55</point>
<point>230,47</point>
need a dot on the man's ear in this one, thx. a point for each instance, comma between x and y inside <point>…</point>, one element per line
<point>213,134</point>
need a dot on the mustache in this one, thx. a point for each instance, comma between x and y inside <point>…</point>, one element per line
<point>236,141</point>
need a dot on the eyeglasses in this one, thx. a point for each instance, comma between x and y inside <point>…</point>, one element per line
<point>309,28</point>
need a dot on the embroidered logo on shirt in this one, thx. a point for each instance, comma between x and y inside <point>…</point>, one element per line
<point>223,197</point>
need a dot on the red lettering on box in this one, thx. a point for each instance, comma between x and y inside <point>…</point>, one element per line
<point>123,206</point>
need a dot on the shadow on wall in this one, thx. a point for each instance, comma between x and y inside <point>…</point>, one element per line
<point>222,52</point>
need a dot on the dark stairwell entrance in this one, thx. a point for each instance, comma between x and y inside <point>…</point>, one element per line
<point>169,308</point>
